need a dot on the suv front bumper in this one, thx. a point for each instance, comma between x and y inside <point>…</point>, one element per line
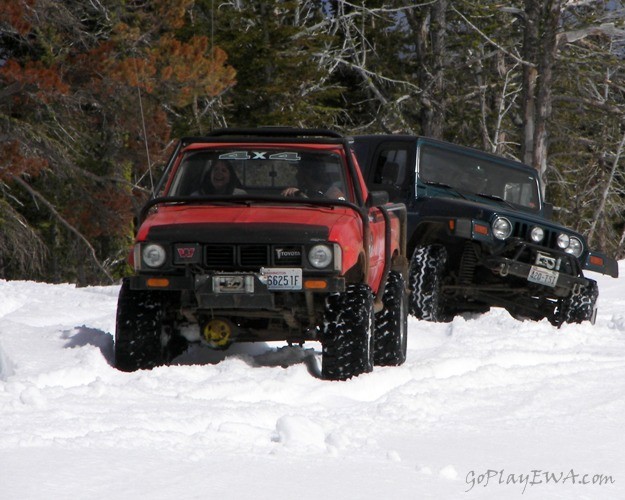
<point>550,278</point>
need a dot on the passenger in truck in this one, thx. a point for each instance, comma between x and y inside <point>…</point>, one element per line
<point>220,178</point>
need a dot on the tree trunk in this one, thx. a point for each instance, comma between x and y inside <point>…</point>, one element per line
<point>431,50</point>
<point>546,64</point>
<point>540,48</point>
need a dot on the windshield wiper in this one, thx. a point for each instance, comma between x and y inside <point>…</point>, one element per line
<point>446,186</point>
<point>495,197</point>
<point>437,184</point>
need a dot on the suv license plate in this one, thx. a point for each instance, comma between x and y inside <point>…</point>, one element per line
<point>543,276</point>
<point>278,278</point>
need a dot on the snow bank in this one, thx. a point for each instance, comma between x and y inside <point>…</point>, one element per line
<point>482,397</point>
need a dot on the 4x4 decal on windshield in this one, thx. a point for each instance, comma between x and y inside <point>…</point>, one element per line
<point>261,155</point>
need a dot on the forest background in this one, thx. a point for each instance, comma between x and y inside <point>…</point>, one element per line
<point>93,94</point>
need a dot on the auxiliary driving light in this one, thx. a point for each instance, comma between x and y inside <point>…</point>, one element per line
<point>563,240</point>
<point>537,234</point>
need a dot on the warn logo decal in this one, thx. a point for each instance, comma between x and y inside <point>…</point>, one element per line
<point>187,253</point>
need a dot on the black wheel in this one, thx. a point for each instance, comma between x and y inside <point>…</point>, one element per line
<point>143,337</point>
<point>347,339</point>
<point>391,324</point>
<point>425,279</point>
<point>580,307</point>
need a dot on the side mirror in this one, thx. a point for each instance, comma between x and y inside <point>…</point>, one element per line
<point>377,198</point>
<point>548,210</point>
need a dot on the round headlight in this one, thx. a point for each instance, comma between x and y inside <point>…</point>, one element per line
<point>502,228</point>
<point>320,256</point>
<point>563,240</point>
<point>575,247</point>
<point>537,234</point>
<point>153,255</point>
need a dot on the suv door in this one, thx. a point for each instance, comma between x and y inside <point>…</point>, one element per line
<point>392,168</point>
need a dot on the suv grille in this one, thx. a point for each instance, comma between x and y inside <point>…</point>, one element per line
<point>522,230</point>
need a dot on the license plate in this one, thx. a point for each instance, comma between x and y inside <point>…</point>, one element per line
<point>277,278</point>
<point>543,276</point>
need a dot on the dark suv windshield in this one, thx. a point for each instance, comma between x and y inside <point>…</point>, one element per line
<point>266,172</point>
<point>478,175</point>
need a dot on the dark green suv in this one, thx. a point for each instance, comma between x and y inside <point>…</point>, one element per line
<point>480,233</point>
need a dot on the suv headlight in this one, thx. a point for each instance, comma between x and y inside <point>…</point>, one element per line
<point>320,256</point>
<point>153,255</point>
<point>575,246</point>
<point>502,228</point>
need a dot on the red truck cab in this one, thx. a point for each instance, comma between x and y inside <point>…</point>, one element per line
<point>264,235</point>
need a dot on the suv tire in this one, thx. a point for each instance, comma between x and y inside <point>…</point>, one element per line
<point>425,279</point>
<point>581,307</point>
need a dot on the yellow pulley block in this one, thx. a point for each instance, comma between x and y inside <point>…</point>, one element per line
<point>217,333</point>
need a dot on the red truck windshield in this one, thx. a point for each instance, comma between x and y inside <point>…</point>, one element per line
<point>278,172</point>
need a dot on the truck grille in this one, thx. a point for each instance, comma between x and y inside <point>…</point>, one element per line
<point>249,256</point>
<point>253,255</point>
<point>216,256</point>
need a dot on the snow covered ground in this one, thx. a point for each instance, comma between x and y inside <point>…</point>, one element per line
<point>485,407</point>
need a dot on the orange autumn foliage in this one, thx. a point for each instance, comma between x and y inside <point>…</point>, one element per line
<point>12,13</point>
<point>34,75</point>
<point>180,70</point>
<point>14,162</point>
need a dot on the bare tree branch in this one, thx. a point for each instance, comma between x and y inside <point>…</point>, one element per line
<point>33,192</point>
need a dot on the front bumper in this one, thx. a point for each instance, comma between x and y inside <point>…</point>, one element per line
<point>554,279</point>
<point>600,263</point>
<point>480,231</point>
<point>234,290</point>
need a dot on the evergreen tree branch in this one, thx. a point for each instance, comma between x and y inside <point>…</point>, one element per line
<point>491,41</point>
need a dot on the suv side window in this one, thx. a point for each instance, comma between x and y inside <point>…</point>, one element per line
<point>390,168</point>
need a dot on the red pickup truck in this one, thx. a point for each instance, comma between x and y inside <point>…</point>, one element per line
<point>266,235</point>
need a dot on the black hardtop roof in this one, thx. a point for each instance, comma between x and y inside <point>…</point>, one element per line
<point>375,139</point>
<point>271,135</point>
<point>268,134</point>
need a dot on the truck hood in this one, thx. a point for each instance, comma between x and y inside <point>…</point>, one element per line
<point>245,222</point>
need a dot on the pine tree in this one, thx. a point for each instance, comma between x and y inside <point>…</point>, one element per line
<point>89,88</point>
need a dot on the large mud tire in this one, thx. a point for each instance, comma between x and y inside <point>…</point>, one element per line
<point>347,338</point>
<point>425,280</point>
<point>581,307</point>
<point>142,339</point>
<point>391,324</point>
